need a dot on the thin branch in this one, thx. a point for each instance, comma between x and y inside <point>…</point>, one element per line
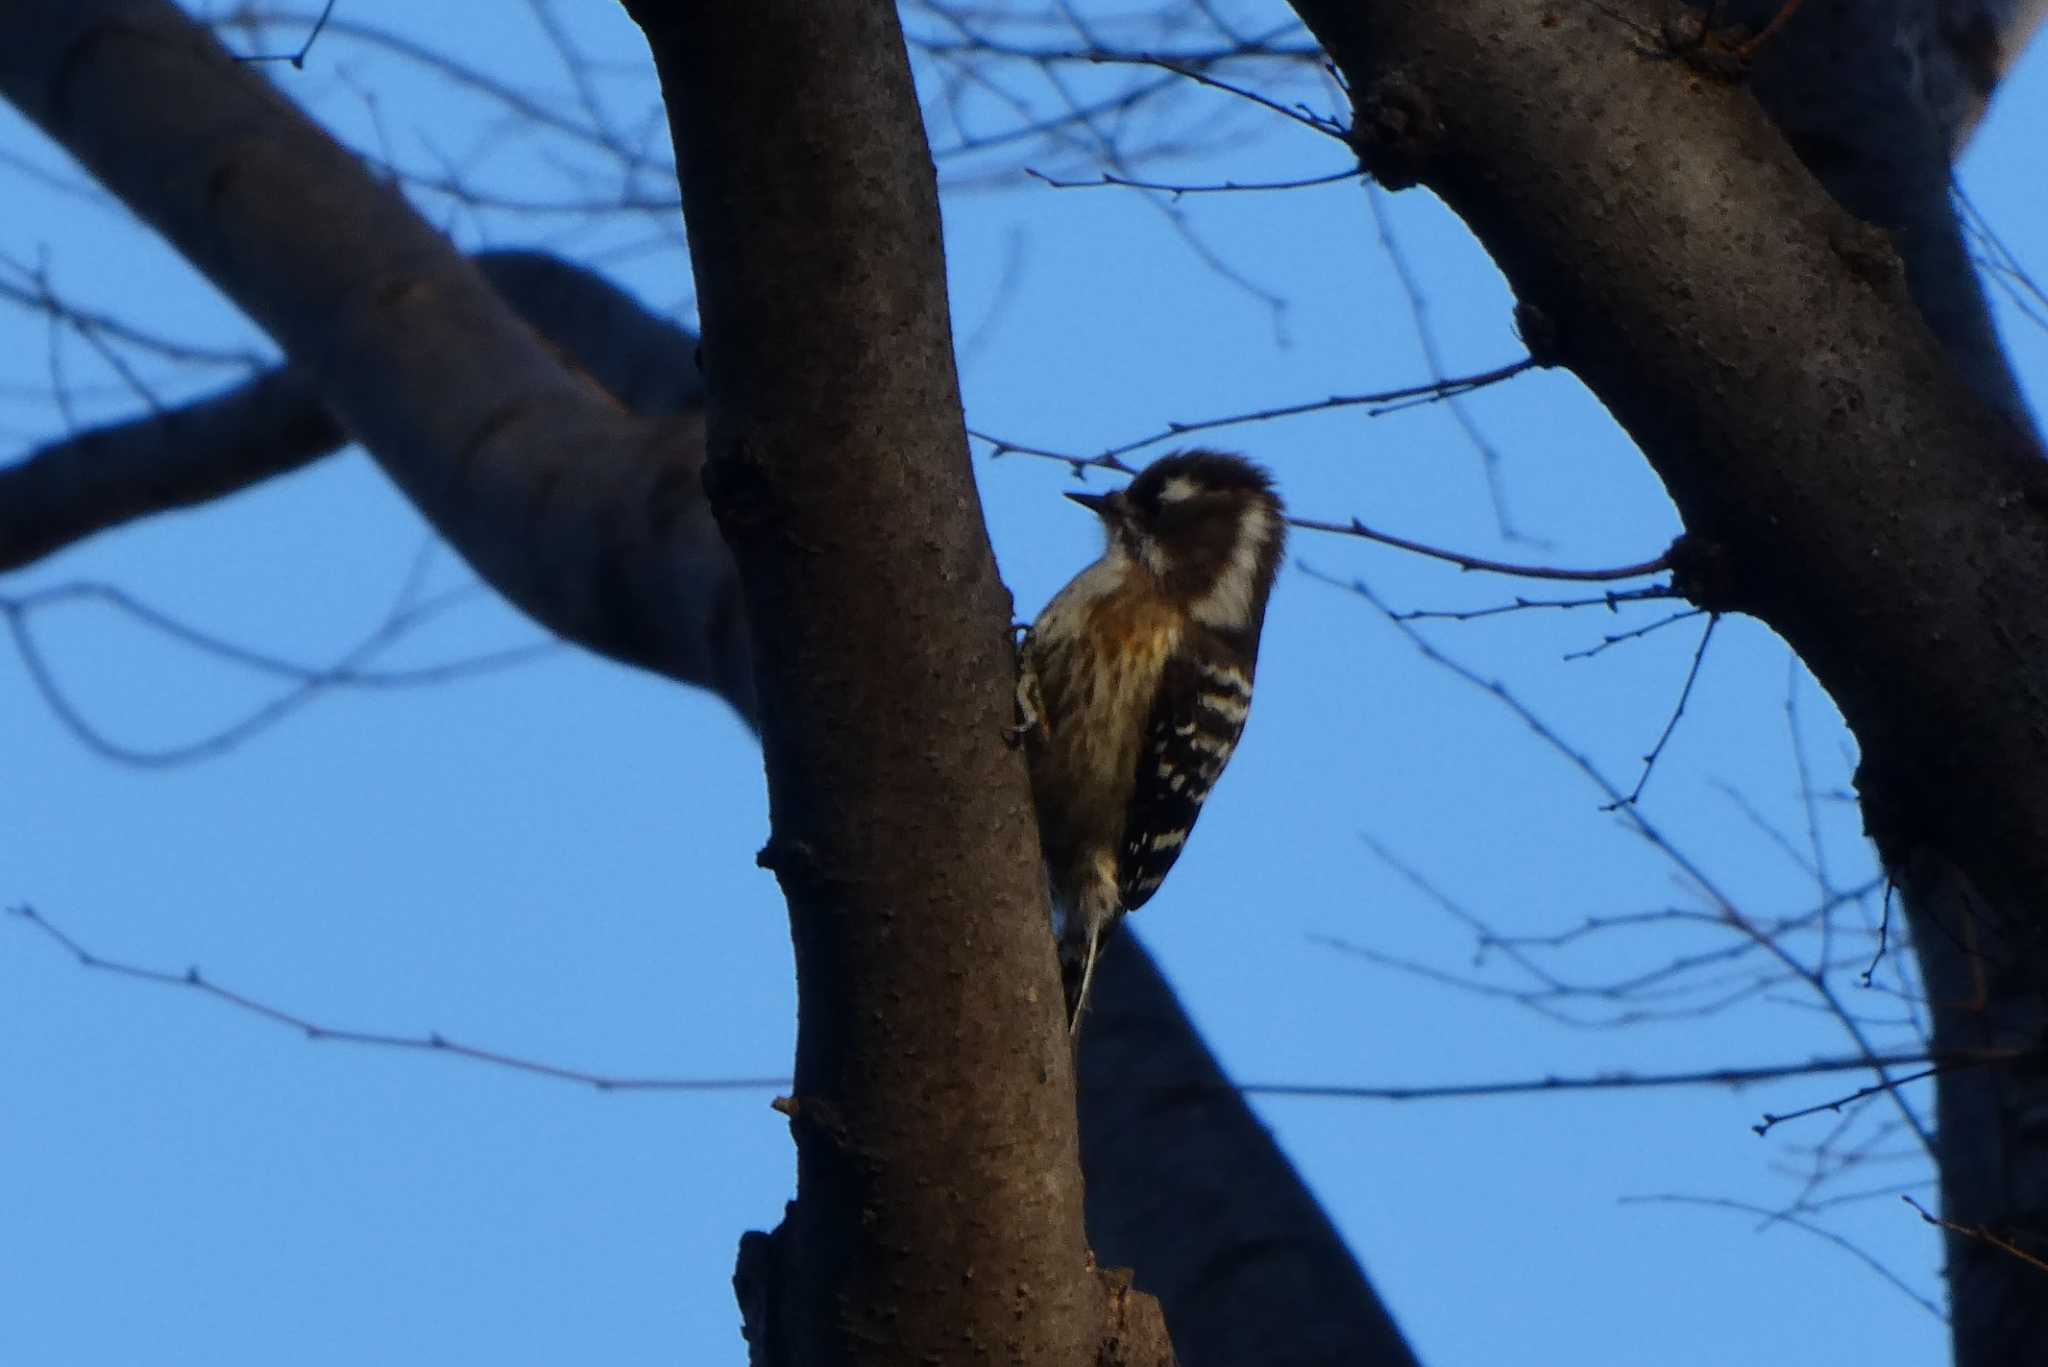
<point>1662,1002</point>
<point>194,981</point>
<point>1620,1081</point>
<point>308,682</point>
<point>1635,633</point>
<point>1692,677</point>
<point>40,295</point>
<point>296,58</point>
<point>1425,335</point>
<point>1378,403</point>
<point>1884,928</point>
<point>408,615</point>
<point>577,65</point>
<point>1795,730</point>
<point>1979,1233</point>
<point>1188,66</point>
<point>1815,978</point>
<point>1612,600</point>
<point>975,43</point>
<point>1769,830</point>
<point>1480,563</point>
<point>960,59</point>
<point>1318,123</point>
<point>1885,1084</point>
<point>1773,1217</point>
<point>1106,144</point>
<point>1463,561</point>
<point>1108,180</point>
<point>521,108</point>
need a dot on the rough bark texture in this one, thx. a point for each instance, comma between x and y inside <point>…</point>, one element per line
<point>1838,478</point>
<point>1981,966</point>
<point>938,1209</point>
<point>1872,97</point>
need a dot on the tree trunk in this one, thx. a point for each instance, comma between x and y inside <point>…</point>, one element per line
<point>1839,478</point>
<point>938,1208</point>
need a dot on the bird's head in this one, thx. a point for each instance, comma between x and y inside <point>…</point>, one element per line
<point>1207,526</point>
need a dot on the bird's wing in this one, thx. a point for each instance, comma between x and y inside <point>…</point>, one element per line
<point>1196,719</point>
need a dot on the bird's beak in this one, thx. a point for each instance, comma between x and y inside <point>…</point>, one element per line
<point>1097,504</point>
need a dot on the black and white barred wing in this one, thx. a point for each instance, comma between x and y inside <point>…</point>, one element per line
<point>1196,719</point>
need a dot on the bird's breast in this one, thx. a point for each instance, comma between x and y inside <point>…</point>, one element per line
<point>1098,657</point>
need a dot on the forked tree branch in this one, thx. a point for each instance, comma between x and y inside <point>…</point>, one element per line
<point>586,516</point>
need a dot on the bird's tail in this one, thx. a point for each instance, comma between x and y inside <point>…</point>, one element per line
<point>1081,941</point>
<point>1077,974</point>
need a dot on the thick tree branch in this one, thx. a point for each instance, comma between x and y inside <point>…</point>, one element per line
<point>938,1212</point>
<point>68,490</point>
<point>277,422</point>
<point>1845,486</point>
<point>1839,478</point>
<point>1876,130</point>
<point>587,517</point>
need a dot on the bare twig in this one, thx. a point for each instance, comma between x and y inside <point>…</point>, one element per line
<point>193,980</point>
<point>1603,1082</point>
<point>1475,562</point>
<point>1376,403</point>
<point>1884,927</point>
<point>1614,639</point>
<point>297,58</point>
<point>1883,1085</point>
<point>1318,123</point>
<point>1812,976</point>
<point>1425,335</point>
<point>39,293</point>
<point>1108,180</point>
<point>1979,1233</point>
<point>1692,677</point>
<point>1773,1217</point>
<point>408,613</point>
<point>1612,600</point>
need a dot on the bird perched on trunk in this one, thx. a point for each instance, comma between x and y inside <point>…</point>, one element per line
<point>1134,683</point>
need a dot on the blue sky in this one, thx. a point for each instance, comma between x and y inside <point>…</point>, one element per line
<point>557,861</point>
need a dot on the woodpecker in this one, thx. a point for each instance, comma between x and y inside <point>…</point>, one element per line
<point>1134,683</point>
